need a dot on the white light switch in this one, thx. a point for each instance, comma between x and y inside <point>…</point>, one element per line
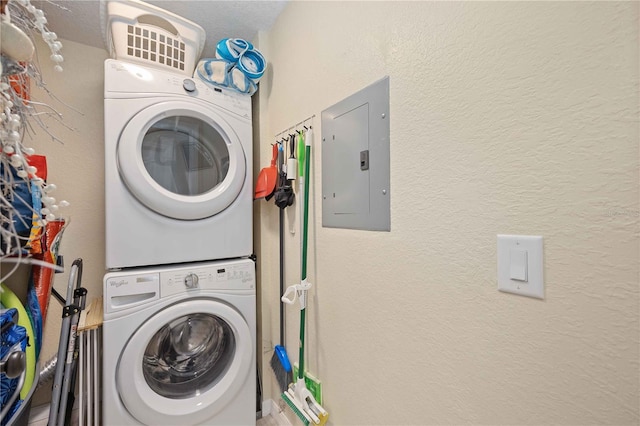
<point>520,265</point>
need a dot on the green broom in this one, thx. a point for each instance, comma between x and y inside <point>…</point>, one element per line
<point>297,396</point>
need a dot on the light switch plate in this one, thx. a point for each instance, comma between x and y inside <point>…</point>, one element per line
<point>534,284</point>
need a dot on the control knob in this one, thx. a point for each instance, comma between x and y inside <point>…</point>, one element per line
<point>191,281</point>
<point>189,85</point>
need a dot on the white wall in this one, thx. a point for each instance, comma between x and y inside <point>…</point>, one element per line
<point>76,165</point>
<point>505,118</point>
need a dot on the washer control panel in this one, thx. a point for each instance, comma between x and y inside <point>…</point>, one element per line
<point>225,276</point>
<point>124,290</point>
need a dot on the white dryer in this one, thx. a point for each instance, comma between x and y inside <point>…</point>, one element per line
<point>178,169</point>
<point>179,345</point>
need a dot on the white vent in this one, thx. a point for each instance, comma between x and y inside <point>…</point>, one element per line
<point>150,45</point>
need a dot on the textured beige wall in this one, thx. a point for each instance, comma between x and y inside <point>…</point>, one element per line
<point>76,166</point>
<point>505,118</point>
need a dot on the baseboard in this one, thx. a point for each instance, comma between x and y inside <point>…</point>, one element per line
<point>270,407</point>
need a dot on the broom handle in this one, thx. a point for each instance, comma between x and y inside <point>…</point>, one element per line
<point>281,275</point>
<point>280,164</point>
<point>305,229</point>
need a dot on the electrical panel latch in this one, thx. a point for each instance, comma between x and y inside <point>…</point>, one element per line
<point>364,160</point>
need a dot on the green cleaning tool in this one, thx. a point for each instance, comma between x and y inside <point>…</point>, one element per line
<point>301,151</point>
<point>297,396</point>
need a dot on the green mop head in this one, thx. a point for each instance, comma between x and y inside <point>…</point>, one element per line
<point>304,405</point>
<point>303,417</point>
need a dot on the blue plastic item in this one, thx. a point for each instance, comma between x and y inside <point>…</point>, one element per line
<point>13,338</point>
<point>230,49</point>
<point>284,359</point>
<point>242,53</point>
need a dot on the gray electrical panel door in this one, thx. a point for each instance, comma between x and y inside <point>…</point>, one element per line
<point>355,161</point>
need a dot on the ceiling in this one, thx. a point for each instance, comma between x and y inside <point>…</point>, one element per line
<point>80,20</point>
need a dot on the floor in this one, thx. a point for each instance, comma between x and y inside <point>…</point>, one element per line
<point>269,420</point>
<point>39,417</point>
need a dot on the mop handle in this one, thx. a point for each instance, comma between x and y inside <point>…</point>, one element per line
<point>304,250</point>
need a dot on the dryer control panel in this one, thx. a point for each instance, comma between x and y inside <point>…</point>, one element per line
<point>124,80</point>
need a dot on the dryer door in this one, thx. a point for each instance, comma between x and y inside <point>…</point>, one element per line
<point>185,364</point>
<point>182,160</point>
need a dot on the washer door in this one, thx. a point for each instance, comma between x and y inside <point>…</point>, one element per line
<point>182,160</point>
<point>185,364</point>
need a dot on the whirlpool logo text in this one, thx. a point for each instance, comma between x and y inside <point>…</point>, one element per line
<point>117,284</point>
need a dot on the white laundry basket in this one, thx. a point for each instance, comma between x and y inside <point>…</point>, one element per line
<point>139,32</point>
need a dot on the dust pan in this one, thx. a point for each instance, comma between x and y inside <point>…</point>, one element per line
<point>268,177</point>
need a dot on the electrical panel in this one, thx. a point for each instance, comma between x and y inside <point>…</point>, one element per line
<point>355,161</point>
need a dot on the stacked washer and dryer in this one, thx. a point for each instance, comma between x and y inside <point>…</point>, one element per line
<point>179,327</point>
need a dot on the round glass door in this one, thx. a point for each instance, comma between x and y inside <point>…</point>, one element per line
<point>185,363</point>
<point>188,356</point>
<point>185,155</point>
<point>182,161</point>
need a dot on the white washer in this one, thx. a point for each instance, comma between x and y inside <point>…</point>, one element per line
<point>179,345</point>
<point>178,169</point>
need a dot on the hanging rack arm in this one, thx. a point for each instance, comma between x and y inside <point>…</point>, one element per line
<point>296,125</point>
